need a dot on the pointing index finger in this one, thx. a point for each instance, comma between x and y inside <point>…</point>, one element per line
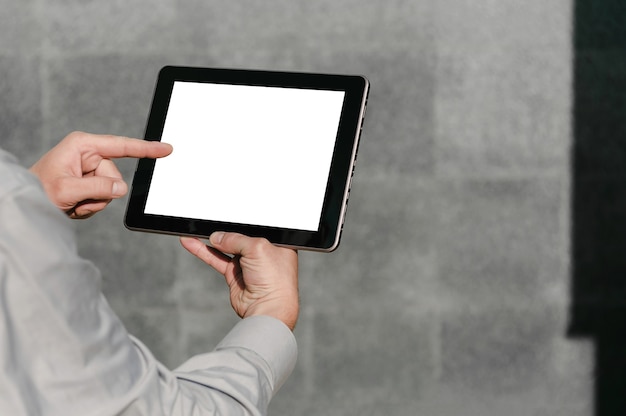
<point>110,146</point>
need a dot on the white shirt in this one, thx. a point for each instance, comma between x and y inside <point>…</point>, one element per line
<point>63,351</point>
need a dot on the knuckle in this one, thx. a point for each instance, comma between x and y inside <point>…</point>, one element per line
<point>261,245</point>
<point>75,135</point>
<point>56,188</point>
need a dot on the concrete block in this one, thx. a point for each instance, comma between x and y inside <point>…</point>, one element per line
<point>366,358</point>
<point>390,26</point>
<point>569,385</point>
<point>502,114</point>
<point>101,94</point>
<point>445,400</point>
<point>77,28</point>
<point>21,28</point>
<point>240,33</point>
<point>500,240</point>
<point>503,92</point>
<point>20,110</point>
<point>497,351</point>
<point>488,26</point>
<point>398,134</point>
<point>247,30</point>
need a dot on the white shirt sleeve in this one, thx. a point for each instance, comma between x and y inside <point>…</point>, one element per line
<point>63,351</point>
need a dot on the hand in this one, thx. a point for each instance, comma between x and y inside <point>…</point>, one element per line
<point>263,278</point>
<point>79,176</point>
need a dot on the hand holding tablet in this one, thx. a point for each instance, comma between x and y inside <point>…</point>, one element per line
<point>266,154</point>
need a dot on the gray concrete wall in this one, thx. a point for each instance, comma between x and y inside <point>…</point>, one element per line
<point>450,292</point>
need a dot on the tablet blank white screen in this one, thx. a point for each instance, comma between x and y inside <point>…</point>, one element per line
<point>246,154</point>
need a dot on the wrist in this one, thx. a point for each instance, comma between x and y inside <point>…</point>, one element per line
<point>287,312</point>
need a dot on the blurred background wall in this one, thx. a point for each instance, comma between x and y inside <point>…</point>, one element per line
<point>450,292</point>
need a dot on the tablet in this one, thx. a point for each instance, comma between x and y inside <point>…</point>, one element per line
<point>263,153</point>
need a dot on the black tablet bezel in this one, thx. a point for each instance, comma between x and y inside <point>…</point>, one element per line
<point>327,237</point>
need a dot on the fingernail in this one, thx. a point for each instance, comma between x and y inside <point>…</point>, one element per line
<point>216,237</point>
<point>119,188</point>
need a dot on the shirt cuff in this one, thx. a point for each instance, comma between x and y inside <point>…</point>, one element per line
<point>268,337</point>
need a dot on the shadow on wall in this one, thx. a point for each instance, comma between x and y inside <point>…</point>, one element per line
<point>598,309</point>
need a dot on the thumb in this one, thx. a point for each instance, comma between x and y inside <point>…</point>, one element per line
<point>234,243</point>
<point>93,187</point>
